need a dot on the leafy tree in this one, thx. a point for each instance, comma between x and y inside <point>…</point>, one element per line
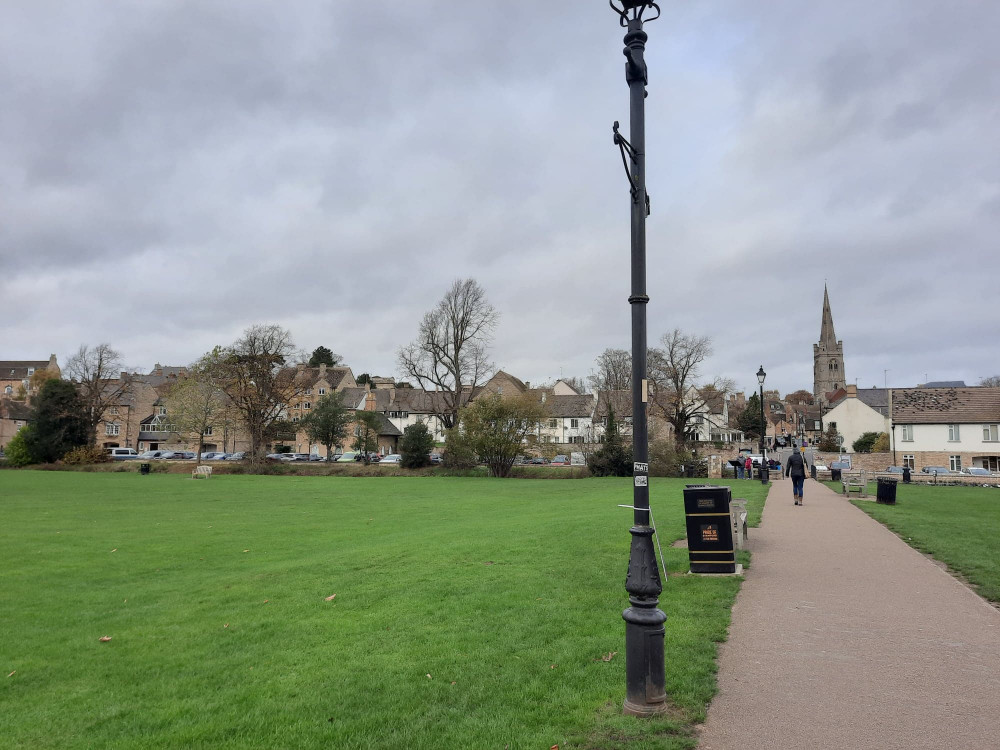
<point>882,444</point>
<point>800,397</point>
<point>866,442</point>
<point>749,419</point>
<point>363,379</point>
<point>829,441</point>
<point>327,422</point>
<point>613,458</point>
<point>449,354</point>
<point>101,381</point>
<point>196,402</point>
<point>17,451</point>
<point>58,422</point>
<point>416,445</point>
<point>366,428</point>
<point>323,356</point>
<point>495,427</point>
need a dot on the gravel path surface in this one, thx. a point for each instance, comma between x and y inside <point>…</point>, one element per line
<point>845,637</point>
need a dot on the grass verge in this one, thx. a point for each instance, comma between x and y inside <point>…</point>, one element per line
<point>468,612</point>
<point>958,526</point>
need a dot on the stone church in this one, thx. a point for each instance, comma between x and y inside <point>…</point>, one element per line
<point>828,357</point>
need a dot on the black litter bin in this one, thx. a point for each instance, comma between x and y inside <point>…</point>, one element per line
<point>885,493</point>
<point>765,475</point>
<point>143,468</point>
<point>835,475</point>
<point>709,529</point>
<point>812,471</point>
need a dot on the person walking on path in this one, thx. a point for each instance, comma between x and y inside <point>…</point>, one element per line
<point>748,467</point>
<point>796,469</point>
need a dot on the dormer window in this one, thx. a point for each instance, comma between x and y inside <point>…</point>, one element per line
<point>322,391</point>
<point>161,411</point>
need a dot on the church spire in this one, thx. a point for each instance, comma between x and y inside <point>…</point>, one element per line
<point>826,333</point>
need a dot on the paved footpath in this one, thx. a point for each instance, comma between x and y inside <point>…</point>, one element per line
<point>845,637</point>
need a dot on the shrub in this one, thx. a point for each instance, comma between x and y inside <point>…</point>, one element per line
<point>86,454</point>
<point>613,458</point>
<point>459,453</point>
<point>18,453</point>
<point>416,445</point>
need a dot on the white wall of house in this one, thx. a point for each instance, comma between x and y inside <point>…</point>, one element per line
<point>401,422</point>
<point>938,437</point>
<point>854,418</point>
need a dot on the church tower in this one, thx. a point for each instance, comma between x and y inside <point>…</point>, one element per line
<point>828,357</point>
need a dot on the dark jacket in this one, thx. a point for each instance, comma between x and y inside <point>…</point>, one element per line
<point>796,467</point>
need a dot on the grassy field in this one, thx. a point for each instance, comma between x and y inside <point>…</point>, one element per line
<point>960,526</point>
<point>468,612</point>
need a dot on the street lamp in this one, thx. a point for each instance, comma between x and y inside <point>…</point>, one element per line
<point>645,679</point>
<point>760,379</point>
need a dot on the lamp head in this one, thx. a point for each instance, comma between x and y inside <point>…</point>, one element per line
<point>761,375</point>
<point>633,9</point>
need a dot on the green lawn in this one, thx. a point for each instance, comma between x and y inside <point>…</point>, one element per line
<point>468,612</point>
<point>960,526</point>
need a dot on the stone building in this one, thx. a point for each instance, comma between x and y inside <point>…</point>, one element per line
<point>828,357</point>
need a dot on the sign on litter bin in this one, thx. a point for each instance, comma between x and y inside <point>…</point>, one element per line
<point>709,530</point>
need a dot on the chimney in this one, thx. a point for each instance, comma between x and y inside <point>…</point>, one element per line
<point>369,401</point>
<point>322,369</point>
<point>852,391</point>
<point>300,366</point>
<point>527,384</point>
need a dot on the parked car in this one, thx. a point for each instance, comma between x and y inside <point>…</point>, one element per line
<point>238,456</point>
<point>122,454</point>
<point>180,455</point>
<point>373,458</point>
<point>345,457</point>
<point>977,471</point>
<point>538,461</point>
<point>894,470</point>
<point>936,470</point>
<point>436,458</point>
<point>560,460</point>
<point>303,456</point>
<point>276,456</point>
<point>213,456</point>
<point>152,455</point>
<point>392,458</point>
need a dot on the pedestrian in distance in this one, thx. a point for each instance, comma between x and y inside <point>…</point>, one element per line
<point>748,467</point>
<point>796,469</point>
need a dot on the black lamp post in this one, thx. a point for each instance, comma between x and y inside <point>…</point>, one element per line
<point>760,379</point>
<point>645,679</point>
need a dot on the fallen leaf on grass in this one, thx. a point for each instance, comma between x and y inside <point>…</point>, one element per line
<point>266,601</point>
<point>104,638</point>
<point>429,676</point>
<point>15,672</point>
<point>553,666</point>
<point>331,598</point>
<point>488,562</point>
<point>554,747</point>
<point>452,682</point>
<point>226,625</point>
<point>246,550</point>
<point>115,549</point>
<point>608,656</point>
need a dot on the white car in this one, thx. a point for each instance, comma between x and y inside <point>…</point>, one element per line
<point>122,454</point>
<point>392,458</point>
<point>345,457</point>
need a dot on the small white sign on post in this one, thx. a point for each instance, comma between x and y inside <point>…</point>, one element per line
<point>640,480</point>
<point>638,468</point>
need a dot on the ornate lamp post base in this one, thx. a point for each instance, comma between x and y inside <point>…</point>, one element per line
<point>645,681</point>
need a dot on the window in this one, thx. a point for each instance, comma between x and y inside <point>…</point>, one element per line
<point>112,428</point>
<point>208,430</point>
<point>907,430</point>
<point>574,424</point>
<point>833,425</point>
<point>955,463</point>
<point>8,390</point>
<point>161,410</point>
<point>31,371</point>
<point>113,410</point>
<point>552,423</point>
<point>322,391</point>
<point>953,434</point>
<point>309,391</point>
<point>908,461</point>
<point>990,433</point>
<point>307,405</point>
<point>295,419</point>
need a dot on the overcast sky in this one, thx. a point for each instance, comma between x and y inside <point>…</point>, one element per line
<point>172,172</point>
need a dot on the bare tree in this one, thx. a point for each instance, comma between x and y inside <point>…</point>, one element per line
<point>100,380</point>
<point>613,371</point>
<point>252,373</point>
<point>449,354</point>
<point>196,402</point>
<point>674,372</point>
<point>993,381</point>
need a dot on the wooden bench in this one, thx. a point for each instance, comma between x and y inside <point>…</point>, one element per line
<point>201,471</point>
<point>855,481</point>
<point>738,518</point>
